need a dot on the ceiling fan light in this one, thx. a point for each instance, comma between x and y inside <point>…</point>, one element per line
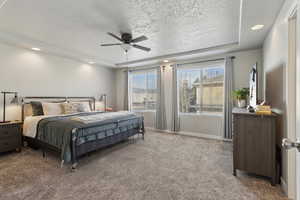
<point>35,49</point>
<point>257,27</point>
<point>126,47</point>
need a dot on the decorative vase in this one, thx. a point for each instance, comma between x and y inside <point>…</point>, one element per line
<point>241,103</point>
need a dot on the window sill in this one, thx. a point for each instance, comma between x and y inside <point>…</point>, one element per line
<point>202,114</point>
<point>144,111</point>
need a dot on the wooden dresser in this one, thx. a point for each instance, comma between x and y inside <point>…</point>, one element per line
<point>254,143</point>
<point>10,136</point>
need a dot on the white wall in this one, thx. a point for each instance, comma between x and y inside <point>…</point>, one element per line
<point>275,55</point>
<point>242,66</point>
<point>211,125</point>
<point>37,74</point>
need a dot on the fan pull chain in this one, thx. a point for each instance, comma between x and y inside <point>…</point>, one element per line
<point>126,52</point>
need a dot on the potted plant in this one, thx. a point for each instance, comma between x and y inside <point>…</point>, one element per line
<point>241,96</point>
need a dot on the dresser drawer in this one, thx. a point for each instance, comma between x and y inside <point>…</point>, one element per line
<point>7,144</point>
<point>10,132</point>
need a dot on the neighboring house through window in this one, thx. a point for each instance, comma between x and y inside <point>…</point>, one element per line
<point>142,90</point>
<point>201,88</point>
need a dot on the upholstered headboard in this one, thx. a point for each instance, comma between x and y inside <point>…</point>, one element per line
<point>27,108</point>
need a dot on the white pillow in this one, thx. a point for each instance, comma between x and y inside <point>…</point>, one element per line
<point>85,106</point>
<point>52,108</point>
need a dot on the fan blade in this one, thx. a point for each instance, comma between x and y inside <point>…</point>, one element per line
<point>141,47</point>
<point>139,39</point>
<point>106,45</point>
<point>114,36</point>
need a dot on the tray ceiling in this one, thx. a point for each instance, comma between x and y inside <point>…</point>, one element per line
<point>77,28</point>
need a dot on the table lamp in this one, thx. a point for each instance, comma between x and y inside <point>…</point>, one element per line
<point>103,98</point>
<point>15,100</point>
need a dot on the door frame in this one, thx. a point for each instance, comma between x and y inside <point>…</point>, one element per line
<point>297,186</point>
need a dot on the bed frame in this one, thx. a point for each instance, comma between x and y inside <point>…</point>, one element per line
<point>82,149</point>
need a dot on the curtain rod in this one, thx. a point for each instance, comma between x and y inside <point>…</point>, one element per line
<point>204,61</point>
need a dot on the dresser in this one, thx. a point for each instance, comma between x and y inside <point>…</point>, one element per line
<point>254,143</point>
<point>10,136</point>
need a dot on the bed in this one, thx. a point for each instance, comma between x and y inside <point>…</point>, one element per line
<point>76,134</point>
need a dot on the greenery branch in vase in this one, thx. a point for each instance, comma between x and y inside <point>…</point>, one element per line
<point>241,96</point>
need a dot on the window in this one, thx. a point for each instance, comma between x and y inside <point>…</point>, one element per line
<point>200,89</point>
<point>143,90</point>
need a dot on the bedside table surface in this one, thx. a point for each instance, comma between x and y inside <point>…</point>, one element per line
<point>11,123</point>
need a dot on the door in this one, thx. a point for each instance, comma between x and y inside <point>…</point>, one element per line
<point>292,143</point>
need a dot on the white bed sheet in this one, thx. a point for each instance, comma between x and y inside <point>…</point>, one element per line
<point>30,125</point>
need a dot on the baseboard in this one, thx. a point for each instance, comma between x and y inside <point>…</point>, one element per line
<point>191,134</point>
<point>284,186</point>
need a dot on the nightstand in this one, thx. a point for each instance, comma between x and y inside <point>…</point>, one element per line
<point>11,136</point>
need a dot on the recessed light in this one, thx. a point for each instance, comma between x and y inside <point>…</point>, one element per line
<point>165,61</point>
<point>257,27</point>
<point>91,62</point>
<point>35,49</point>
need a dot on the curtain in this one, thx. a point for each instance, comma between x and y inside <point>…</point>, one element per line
<point>126,88</point>
<point>175,125</point>
<point>160,118</point>
<point>228,87</point>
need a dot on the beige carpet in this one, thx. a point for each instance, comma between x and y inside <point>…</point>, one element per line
<point>163,167</point>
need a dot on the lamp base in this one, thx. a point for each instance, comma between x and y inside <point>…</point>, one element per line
<point>250,109</point>
<point>3,122</point>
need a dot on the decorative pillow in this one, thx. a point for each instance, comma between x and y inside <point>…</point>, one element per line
<point>70,108</point>
<point>75,107</point>
<point>37,108</point>
<point>52,108</point>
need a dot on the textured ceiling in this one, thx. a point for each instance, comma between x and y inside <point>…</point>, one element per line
<point>180,25</point>
<point>76,28</point>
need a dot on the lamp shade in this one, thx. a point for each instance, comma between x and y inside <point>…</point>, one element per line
<point>15,100</point>
<point>103,97</point>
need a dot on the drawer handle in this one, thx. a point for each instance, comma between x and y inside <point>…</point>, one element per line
<point>6,143</point>
<point>6,133</point>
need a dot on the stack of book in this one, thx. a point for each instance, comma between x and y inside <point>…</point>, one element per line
<point>263,110</point>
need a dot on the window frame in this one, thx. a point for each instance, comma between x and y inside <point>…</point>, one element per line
<point>200,65</point>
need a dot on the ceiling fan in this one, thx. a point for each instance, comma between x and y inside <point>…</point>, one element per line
<point>127,41</point>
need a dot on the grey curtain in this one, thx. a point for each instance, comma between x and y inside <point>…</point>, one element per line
<point>160,118</point>
<point>126,93</point>
<point>175,124</point>
<point>228,87</point>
